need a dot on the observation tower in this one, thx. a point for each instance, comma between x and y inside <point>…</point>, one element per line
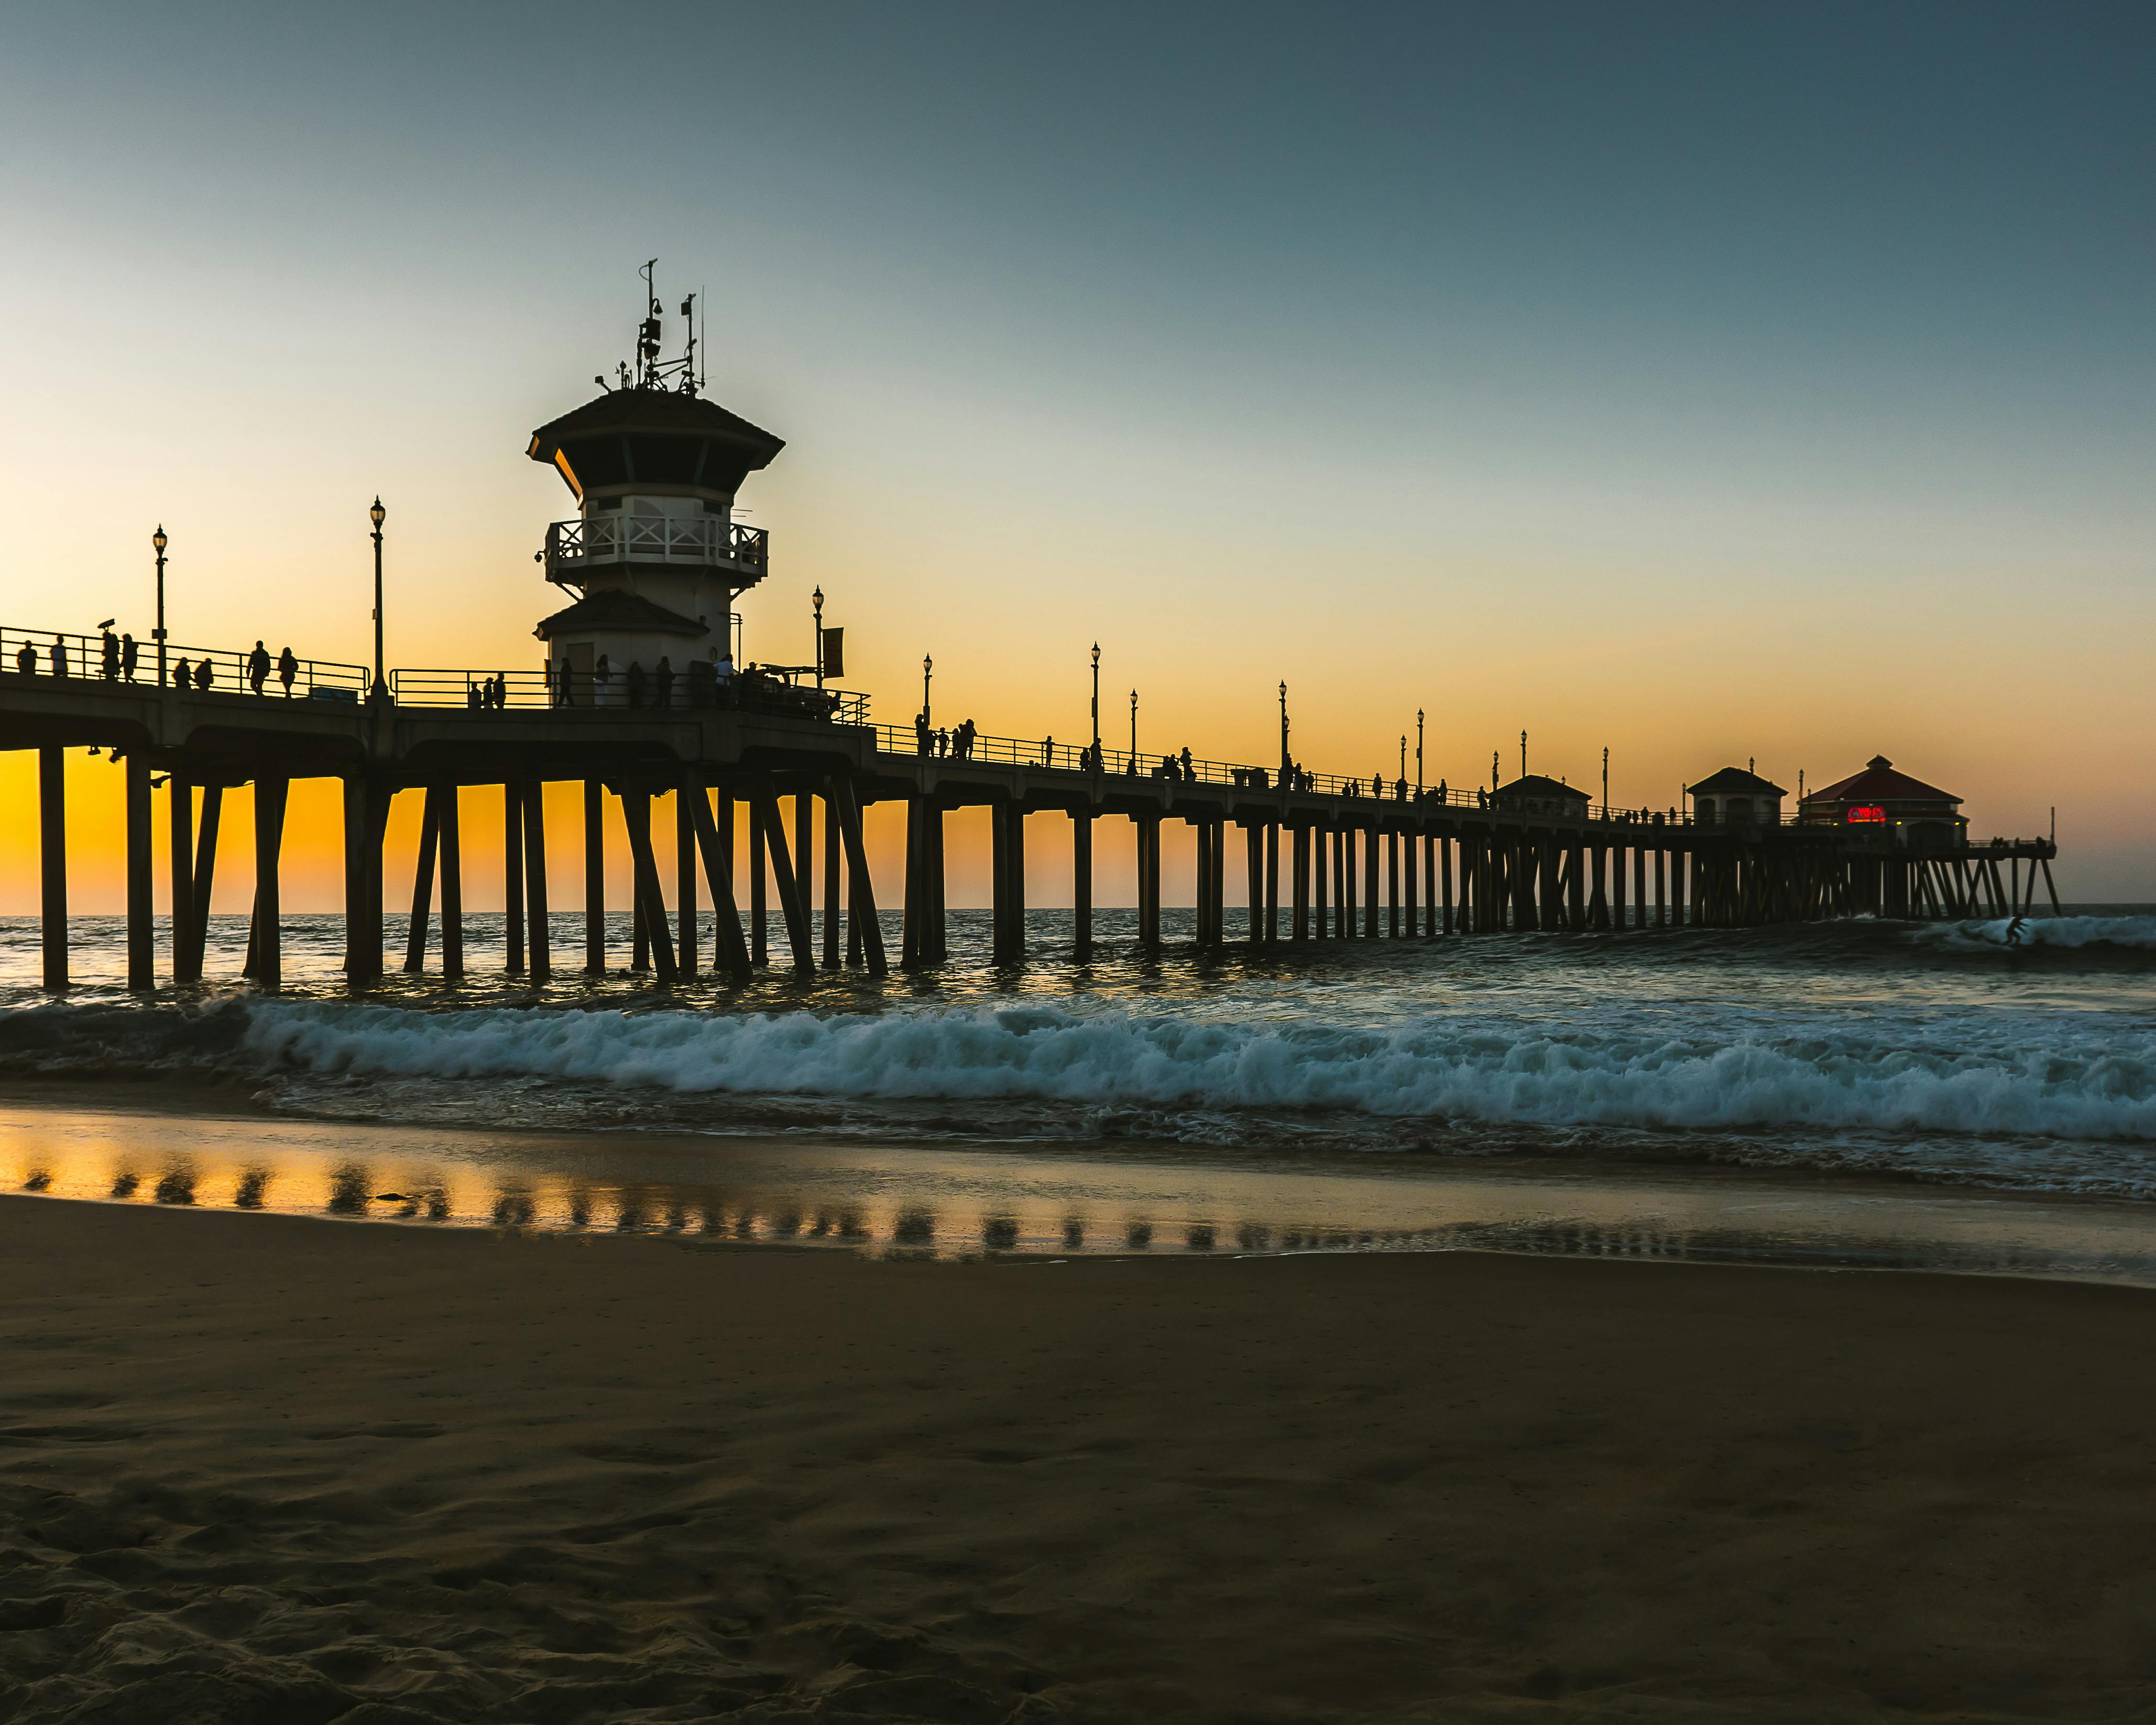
<point>653,554</point>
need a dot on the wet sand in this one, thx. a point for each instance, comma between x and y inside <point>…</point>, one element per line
<point>262,1467</point>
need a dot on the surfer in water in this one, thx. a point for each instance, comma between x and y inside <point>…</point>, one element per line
<point>2014,931</point>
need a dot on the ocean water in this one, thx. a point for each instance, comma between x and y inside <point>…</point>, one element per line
<point>1963,1062</point>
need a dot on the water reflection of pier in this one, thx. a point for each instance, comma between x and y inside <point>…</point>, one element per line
<point>953,1205</point>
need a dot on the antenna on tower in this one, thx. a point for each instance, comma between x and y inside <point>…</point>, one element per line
<point>690,382</point>
<point>647,333</point>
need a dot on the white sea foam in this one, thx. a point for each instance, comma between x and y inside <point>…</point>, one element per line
<point>1966,1075</point>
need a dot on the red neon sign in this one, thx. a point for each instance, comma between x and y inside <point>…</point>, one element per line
<point>1867,812</point>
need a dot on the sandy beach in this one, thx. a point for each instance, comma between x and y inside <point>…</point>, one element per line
<point>259,1467</point>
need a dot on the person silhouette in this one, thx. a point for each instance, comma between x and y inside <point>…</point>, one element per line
<point>287,668</point>
<point>180,675</point>
<point>26,659</point>
<point>257,667</point>
<point>130,656</point>
<point>203,672</point>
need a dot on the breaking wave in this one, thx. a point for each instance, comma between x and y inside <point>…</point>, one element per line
<point>2042,934</point>
<point>2051,1078</point>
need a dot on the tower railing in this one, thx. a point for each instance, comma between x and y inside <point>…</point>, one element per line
<point>694,541</point>
<point>643,696</point>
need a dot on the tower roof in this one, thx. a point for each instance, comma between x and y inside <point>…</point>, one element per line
<point>612,608</point>
<point>655,436</point>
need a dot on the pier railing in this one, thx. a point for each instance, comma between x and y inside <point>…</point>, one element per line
<point>580,692</point>
<point>703,542</point>
<point>59,657</point>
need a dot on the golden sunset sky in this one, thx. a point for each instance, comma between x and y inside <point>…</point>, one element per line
<point>1704,384</point>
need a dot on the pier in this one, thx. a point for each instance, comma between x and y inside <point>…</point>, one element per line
<point>1322,859</point>
<point>641,695</point>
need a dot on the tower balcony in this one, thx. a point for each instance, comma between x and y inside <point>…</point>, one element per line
<point>575,549</point>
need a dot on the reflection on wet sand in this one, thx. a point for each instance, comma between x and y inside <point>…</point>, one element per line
<point>1097,1199</point>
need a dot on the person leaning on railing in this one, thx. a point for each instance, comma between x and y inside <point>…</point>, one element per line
<point>26,660</point>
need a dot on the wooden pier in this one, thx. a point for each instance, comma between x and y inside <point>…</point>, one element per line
<point>1361,860</point>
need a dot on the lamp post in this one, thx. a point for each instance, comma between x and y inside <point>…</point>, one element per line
<point>158,541</point>
<point>1418,753</point>
<point>1134,724</point>
<point>1096,706</point>
<point>1404,755</point>
<point>1523,754</point>
<point>927,673</point>
<point>1605,783</point>
<point>376,515</point>
<point>817,599</point>
<point>1493,769</point>
<point>1284,754</point>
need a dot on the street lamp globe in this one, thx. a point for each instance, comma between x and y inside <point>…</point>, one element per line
<point>375,514</point>
<point>157,539</point>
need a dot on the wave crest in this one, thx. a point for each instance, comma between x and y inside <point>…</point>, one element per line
<point>2058,1084</point>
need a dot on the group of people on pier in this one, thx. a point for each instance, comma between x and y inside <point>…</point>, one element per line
<point>119,658</point>
<point>950,744</point>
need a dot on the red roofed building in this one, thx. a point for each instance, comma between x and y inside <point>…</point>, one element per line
<point>1903,810</point>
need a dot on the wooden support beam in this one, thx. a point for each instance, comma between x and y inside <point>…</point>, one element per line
<point>452,858</point>
<point>1298,912</point>
<point>362,946</point>
<point>763,813</point>
<point>1320,866</point>
<point>1393,883</point>
<point>644,868</point>
<point>1411,904</point>
<point>595,961</point>
<point>939,932</point>
<point>1202,917</point>
<point>804,857</point>
<point>1081,884</point>
<point>759,938</point>
<point>730,947</point>
<point>862,887</point>
<point>1444,883</point>
<point>1254,856</point>
<point>1149,864</point>
<point>1370,883</point>
<point>423,884</point>
<point>686,928</point>
<point>1344,860</point>
<point>205,877</point>
<point>535,880</point>
<point>834,952</point>
<point>1576,882</point>
<point>913,915</point>
<point>1272,883</point>
<point>512,877</point>
<point>180,811</point>
<point>52,863</point>
<point>141,865</point>
<point>269,796</point>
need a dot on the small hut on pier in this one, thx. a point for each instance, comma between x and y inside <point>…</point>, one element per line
<point>1532,793</point>
<point>1735,795</point>
<point>1904,810</point>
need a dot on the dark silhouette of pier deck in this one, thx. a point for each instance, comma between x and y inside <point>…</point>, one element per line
<point>1323,859</point>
